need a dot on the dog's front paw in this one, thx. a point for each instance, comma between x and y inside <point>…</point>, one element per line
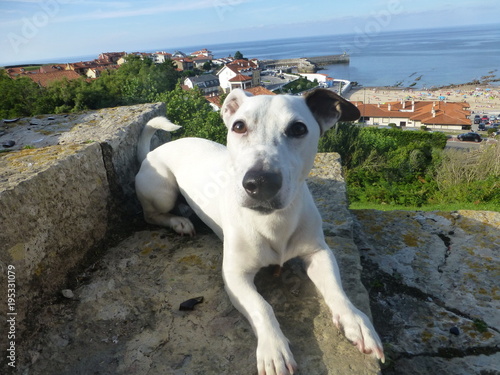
<point>275,358</point>
<point>182,225</point>
<point>359,330</point>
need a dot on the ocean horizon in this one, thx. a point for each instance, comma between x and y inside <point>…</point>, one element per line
<point>423,58</point>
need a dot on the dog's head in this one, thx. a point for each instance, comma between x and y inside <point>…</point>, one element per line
<point>272,141</point>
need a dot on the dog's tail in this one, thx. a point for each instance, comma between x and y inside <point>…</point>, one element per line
<point>157,123</point>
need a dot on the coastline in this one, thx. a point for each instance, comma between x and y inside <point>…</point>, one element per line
<point>481,97</point>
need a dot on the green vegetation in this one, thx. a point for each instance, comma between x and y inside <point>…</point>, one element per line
<point>191,110</point>
<point>136,81</point>
<point>299,85</point>
<point>394,169</point>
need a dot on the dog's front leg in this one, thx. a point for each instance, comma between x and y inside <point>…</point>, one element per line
<point>323,270</point>
<point>273,353</point>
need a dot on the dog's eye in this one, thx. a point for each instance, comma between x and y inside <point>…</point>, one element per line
<point>239,127</point>
<point>296,130</point>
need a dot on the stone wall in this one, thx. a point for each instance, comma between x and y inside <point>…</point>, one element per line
<point>59,203</point>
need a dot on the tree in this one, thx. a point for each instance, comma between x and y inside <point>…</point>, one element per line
<point>19,96</point>
<point>238,55</point>
<point>191,110</point>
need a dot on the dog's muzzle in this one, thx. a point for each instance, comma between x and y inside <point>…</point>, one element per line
<point>263,188</point>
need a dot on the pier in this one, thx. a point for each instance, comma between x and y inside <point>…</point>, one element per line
<point>306,64</point>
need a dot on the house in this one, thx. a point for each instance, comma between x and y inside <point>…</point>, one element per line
<point>110,57</point>
<point>179,54</point>
<point>161,57</point>
<point>183,63</point>
<point>243,65</point>
<point>240,81</point>
<point>82,66</point>
<point>214,102</point>
<point>52,68</point>
<point>432,114</point>
<point>98,70</point>
<point>239,74</point>
<point>207,83</point>
<point>199,61</point>
<point>223,61</point>
<point>203,53</point>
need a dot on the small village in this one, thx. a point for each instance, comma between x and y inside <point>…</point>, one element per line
<point>216,76</point>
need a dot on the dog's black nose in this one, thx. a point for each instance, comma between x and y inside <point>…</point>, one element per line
<point>262,185</point>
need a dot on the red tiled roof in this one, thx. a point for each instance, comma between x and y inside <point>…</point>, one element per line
<point>214,100</point>
<point>183,59</point>
<point>242,64</point>
<point>240,78</point>
<point>44,79</point>
<point>427,112</point>
<point>259,90</point>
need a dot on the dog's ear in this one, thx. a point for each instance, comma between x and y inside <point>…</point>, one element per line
<point>232,103</point>
<point>328,108</point>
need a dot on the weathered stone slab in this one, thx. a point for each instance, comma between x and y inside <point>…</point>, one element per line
<point>127,319</point>
<point>58,202</point>
<point>434,283</point>
<point>53,208</point>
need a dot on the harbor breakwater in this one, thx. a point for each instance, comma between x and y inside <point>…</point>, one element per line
<point>306,64</point>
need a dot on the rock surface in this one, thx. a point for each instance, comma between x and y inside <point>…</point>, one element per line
<point>126,318</point>
<point>58,203</point>
<point>434,280</point>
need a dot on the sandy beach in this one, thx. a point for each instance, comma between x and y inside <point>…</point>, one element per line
<point>481,98</point>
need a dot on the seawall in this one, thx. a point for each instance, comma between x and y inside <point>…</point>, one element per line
<point>306,64</point>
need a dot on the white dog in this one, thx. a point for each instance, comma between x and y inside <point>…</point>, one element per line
<point>253,194</point>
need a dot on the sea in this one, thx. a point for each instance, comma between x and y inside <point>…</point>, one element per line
<point>422,58</point>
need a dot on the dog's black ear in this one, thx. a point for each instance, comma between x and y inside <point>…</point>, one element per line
<point>232,102</point>
<point>328,108</point>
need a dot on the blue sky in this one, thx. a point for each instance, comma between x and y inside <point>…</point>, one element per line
<point>34,30</point>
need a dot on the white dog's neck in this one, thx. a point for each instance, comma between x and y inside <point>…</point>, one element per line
<point>280,225</point>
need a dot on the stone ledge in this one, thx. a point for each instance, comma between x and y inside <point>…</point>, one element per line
<point>434,283</point>
<point>58,202</point>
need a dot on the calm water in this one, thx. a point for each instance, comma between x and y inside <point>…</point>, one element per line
<point>436,56</point>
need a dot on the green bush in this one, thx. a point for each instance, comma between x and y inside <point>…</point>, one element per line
<point>136,81</point>
<point>299,85</point>
<point>388,166</point>
<point>190,109</point>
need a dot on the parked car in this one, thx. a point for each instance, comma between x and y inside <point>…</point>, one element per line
<point>477,120</point>
<point>481,126</point>
<point>471,136</point>
<point>485,118</point>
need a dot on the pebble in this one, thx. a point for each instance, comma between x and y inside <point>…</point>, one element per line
<point>68,293</point>
<point>455,331</point>
<point>8,144</point>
